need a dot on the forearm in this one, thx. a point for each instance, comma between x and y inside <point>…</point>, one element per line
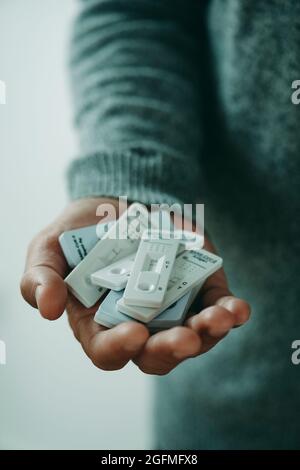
<point>135,78</point>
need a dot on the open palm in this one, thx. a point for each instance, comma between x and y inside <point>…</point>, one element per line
<point>215,310</point>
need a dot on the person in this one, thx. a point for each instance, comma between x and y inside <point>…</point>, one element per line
<point>184,102</point>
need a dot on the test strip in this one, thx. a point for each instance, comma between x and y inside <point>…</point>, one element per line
<point>77,243</point>
<point>151,272</point>
<point>108,315</point>
<point>120,240</point>
<point>191,269</point>
<point>115,275</point>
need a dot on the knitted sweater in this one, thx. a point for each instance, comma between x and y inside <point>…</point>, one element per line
<point>191,101</point>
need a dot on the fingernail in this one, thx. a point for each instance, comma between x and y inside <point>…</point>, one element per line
<point>179,355</point>
<point>227,302</point>
<point>38,294</point>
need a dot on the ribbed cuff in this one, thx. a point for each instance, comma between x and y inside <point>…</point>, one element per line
<point>141,175</point>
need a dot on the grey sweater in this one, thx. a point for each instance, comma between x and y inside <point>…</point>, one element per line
<point>190,101</point>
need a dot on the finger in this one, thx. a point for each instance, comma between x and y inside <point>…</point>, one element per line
<point>238,307</point>
<point>43,288</point>
<point>212,324</point>
<point>165,350</point>
<point>214,288</point>
<point>108,349</point>
<point>42,284</point>
<point>216,292</point>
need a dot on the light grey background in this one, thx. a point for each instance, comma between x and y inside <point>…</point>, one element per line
<point>51,397</point>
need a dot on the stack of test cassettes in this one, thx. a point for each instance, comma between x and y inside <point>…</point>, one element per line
<point>153,271</point>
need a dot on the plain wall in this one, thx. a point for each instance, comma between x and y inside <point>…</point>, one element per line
<point>51,396</point>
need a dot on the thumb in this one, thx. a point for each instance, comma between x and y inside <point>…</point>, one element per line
<point>42,284</point>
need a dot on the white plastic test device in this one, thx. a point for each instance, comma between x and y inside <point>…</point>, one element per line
<point>108,315</point>
<point>151,272</point>
<point>77,243</point>
<point>122,239</point>
<point>191,269</point>
<point>115,275</point>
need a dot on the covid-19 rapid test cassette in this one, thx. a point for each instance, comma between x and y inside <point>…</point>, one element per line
<point>189,240</point>
<point>108,314</point>
<point>151,272</point>
<point>77,243</point>
<point>121,240</point>
<point>115,275</point>
<point>191,269</point>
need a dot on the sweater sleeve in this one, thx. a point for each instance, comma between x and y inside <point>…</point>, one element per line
<point>135,84</point>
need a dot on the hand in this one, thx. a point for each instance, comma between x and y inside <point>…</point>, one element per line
<point>42,286</point>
